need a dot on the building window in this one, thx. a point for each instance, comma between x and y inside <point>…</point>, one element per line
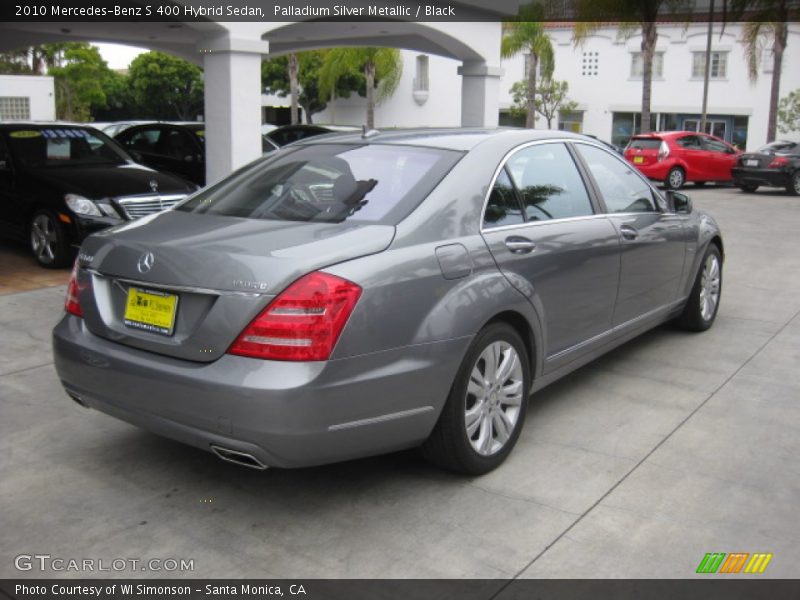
<point>719,65</point>
<point>590,64</point>
<point>570,120</point>
<point>421,82</point>
<point>15,107</point>
<point>637,65</point>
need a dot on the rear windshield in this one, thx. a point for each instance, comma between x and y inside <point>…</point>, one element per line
<point>63,146</point>
<point>779,147</point>
<point>329,183</point>
<point>645,143</point>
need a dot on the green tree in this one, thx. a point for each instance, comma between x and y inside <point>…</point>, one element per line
<point>381,67</point>
<point>529,37</point>
<point>551,98</point>
<point>166,87</point>
<point>767,24</point>
<point>789,112</point>
<point>78,77</point>
<point>276,79</point>
<point>632,16</point>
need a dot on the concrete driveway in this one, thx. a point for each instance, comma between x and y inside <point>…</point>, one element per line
<point>670,447</point>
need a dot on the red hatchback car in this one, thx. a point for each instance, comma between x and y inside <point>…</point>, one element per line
<point>676,157</point>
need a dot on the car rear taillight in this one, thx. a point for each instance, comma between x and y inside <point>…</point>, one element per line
<point>72,304</point>
<point>778,162</point>
<point>663,151</point>
<point>303,322</point>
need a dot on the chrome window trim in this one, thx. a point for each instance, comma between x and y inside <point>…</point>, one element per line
<point>502,164</point>
<point>169,287</point>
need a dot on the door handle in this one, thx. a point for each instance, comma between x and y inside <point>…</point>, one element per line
<point>519,245</point>
<point>628,233</point>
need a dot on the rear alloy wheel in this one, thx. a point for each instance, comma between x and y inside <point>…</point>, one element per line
<point>675,178</point>
<point>48,242</point>
<point>703,303</point>
<point>484,413</point>
<point>794,184</point>
<point>748,187</point>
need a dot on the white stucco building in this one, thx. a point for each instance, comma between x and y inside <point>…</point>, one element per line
<point>604,76</point>
<point>27,97</point>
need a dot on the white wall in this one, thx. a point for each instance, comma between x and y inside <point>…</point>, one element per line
<point>38,89</point>
<point>613,88</point>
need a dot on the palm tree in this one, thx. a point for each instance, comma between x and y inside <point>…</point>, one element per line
<point>529,37</point>
<point>766,19</point>
<point>382,68</point>
<point>632,15</point>
<point>294,75</point>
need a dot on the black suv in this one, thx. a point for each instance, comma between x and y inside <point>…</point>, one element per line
<point>61,182</point>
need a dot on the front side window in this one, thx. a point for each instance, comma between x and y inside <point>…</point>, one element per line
<point>690,142</point>
<point>549,183</point>
<point>622,188</point>
<point>329,183</point>
<point>715,145</point>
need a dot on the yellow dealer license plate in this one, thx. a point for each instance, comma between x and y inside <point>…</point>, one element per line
<point>638,159</point>
<point>151,310</point>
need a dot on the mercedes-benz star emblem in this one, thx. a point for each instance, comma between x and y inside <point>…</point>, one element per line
<point>145,262</point>
<point>154,185</point>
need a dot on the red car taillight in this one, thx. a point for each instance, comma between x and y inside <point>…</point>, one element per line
<point>663,151</point>
<point>303,322</point>
<point>778,162</point>
<point>72,304</point>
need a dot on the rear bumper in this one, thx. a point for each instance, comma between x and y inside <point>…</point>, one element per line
<point>657,171</point>
<point>285,414</point>
<point>768,177</point>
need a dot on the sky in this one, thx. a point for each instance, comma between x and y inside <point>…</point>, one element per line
<point>118,56</point>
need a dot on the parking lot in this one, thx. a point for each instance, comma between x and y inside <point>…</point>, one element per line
<point>637,465</point>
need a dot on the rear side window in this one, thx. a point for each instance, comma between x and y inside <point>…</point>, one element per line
<point>329,183</point>
<point>549,183</point>
<point>502,208</point>
<point>622,188</point>
<point>690,142</point>
<point>645,143</point>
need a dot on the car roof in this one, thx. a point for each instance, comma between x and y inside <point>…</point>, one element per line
<point>42,124</point>
<point>461,139</point>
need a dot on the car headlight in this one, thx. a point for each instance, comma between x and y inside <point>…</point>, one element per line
<point>82,206</point>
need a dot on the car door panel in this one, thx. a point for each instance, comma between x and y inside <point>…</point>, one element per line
<point>563,257</point>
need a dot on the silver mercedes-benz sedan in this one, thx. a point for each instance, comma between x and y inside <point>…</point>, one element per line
<point>359,294</point>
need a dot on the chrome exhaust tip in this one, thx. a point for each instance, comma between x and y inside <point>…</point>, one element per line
<point>240,458</point>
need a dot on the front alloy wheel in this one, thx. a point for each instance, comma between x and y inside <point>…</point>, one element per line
<point>47,240</point>
<point>703,303</point>
<point>484,412</point>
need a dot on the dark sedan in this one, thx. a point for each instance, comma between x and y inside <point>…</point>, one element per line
<point>59,183</point>
<point>775,165</point>
<point>293,133</point>
<point>178,148</point>
<point>353,295</point>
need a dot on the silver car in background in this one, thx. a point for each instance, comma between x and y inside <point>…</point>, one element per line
<point>353,294</point>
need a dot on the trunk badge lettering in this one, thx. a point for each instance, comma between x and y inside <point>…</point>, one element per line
<point>250,285</point>
<point>145,262</point>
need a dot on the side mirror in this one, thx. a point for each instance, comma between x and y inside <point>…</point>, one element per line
<point>679,203</point>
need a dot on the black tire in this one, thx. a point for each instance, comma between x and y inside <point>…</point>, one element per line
<point>450,445</point>
<point>794,184</point>
<point>694,316</point>
<point>675,179</point>
<point>48,241</point>
<point>748,187</point>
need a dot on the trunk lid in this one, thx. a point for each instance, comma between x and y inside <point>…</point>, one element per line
<point>219,272</point>
<point>755,160</point>
<point>643,151</point>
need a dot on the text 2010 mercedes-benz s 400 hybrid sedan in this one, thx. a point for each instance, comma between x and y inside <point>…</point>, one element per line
<point>358,294</point>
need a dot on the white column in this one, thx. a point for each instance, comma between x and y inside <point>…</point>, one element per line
<point>480,94</point>
<point>232,72</point>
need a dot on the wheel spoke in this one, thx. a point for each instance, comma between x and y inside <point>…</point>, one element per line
<point>473,420</point>
<point>476,389</point>
<point>508,364</point>
<point>487,435</point>
<point>502,426</point>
